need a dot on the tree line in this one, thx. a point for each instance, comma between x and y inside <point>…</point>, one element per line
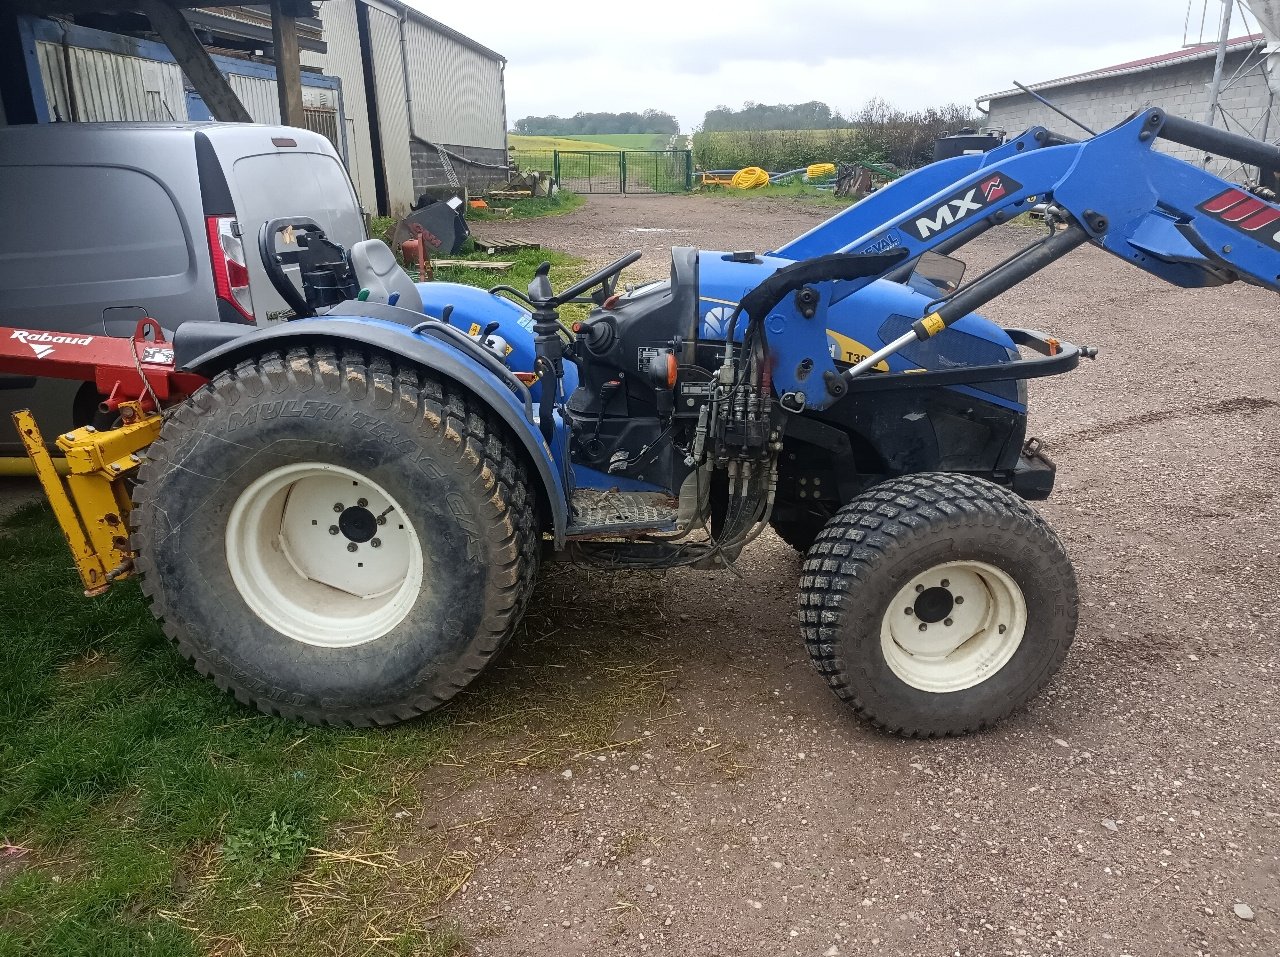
<point>650,121</point>
<point>878,132</point>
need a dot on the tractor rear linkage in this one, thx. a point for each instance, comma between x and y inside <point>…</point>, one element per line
<point>138,377</point>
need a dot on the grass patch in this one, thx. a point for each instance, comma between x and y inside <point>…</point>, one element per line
<point>522,144</point>
<point>792,190</point>
<point>629,141</point>
<point>565,269</point>
<point>534,207</point>
<point>156,815</point>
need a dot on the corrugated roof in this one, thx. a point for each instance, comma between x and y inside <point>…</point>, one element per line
<point>444,30</point>
<point>1187,54</point>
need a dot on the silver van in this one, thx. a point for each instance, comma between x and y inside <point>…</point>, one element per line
<point>102,223</point>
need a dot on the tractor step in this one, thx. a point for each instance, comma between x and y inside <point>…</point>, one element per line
<point>599,512</point>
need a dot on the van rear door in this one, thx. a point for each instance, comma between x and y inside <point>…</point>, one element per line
<point>275,172</point>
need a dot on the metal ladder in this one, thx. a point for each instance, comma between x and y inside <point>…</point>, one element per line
<point>449,171</point>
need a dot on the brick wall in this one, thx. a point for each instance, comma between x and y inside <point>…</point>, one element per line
<point>429,172</point>
<point>1180,89</point>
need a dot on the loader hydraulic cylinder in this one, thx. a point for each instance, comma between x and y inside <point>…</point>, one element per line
<point>981,291</point>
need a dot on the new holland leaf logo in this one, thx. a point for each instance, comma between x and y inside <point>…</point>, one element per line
<point>959,205</point>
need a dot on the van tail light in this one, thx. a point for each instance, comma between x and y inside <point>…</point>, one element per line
<point>230,268</point>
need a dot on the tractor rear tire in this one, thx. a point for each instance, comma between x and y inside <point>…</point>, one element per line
<point>335,538</point>
<point>937,604</point>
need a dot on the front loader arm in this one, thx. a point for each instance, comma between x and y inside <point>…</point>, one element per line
<point>1159,213</point>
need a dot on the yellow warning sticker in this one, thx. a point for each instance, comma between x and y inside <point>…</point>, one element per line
<point>844,349</point>
<point>475,329</point>
<point>933,324</point>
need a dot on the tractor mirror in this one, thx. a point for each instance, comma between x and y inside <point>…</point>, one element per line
<point>942,271</point>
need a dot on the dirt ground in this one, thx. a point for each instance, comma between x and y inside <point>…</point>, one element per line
<point>745,811</point>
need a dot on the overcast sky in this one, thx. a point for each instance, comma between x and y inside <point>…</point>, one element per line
<point>567,56</point>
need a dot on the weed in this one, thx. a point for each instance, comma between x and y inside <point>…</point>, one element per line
<point>274,849</point>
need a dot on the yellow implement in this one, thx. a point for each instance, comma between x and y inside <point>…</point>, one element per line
<point>92,503</point>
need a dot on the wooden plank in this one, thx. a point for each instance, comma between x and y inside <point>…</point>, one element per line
<point>195,61</point>
<point>284,37</point>
<point>472,263</point>
<point>492,246</point>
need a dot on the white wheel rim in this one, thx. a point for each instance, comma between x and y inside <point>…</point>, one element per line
<point>301,549</point>
<point>954,626</point>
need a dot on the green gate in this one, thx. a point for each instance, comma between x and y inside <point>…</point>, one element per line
<point>624,171</point>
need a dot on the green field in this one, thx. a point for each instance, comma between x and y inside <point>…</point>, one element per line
<point>533,144</point>
<point>592,141</point>
<point>629,141</point>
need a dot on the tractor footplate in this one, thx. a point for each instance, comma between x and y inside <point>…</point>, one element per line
<point>605,511</point>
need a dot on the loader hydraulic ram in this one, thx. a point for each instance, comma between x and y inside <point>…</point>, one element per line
<point>340,518</point>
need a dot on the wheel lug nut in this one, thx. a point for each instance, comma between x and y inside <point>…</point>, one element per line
<point>947,622</point>
<point>337,506</point>
<point>923,626</point>
<point>1002,629</point>
<point>945,583</point>
<point>959,599</point>
<point>382,520</point>
<point>333,529</point>
<point>363,503</point>
<point>375,542</point>
<point>352,546</point>
<point>919,588</point>
<point>908,611</point>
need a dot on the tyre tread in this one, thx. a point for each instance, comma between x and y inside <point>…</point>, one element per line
<point>857,542</point>
<point>478,441</point>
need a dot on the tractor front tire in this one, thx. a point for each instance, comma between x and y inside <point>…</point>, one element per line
<point>335,538</point>
<point>936,604</point>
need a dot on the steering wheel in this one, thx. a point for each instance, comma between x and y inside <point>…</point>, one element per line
<point>273,262</point>
<point>541,296</point>
<point>607,277</point>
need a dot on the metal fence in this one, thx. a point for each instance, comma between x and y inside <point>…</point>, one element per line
<point>608,171</point>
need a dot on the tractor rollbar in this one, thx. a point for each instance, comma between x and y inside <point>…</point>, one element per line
<point>1215,141</point>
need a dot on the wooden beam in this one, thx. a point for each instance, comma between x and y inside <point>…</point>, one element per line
<point>168,21</point>
<point>284,37</point>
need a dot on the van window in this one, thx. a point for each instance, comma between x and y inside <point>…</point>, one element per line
<point>71,225</point>
<point>289,183</point>
<point>276,185</point>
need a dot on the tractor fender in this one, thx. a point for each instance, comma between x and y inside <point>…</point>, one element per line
<point>432,354</point>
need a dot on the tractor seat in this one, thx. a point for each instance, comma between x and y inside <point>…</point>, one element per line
<point>376,269</point>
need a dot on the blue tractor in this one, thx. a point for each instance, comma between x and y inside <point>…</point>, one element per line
<point>344,525</point>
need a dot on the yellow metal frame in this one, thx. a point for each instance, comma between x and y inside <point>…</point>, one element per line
<point>92,504</point>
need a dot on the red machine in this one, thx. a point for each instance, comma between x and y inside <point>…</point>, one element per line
<point>138,378</point>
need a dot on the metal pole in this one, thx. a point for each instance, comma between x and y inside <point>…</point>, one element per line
<point>1215,87</point>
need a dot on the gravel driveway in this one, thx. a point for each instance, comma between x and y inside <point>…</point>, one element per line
<point>1132,809</point>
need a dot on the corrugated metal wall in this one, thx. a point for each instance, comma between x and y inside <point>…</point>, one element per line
<point>343,59</point>
<point>109,86</point>
<point>262,100</point>
<point>457,91</point>
<point>393,114</point>
<point>258,95</point>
